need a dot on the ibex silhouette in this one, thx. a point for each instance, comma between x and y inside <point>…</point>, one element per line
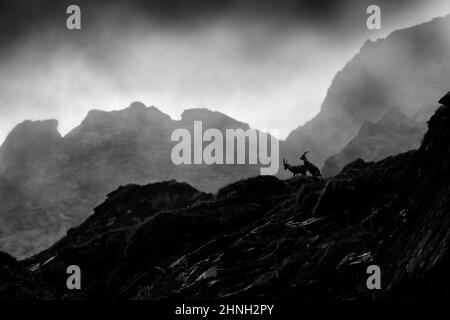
<point>295,169</point>
<point>311,168</point>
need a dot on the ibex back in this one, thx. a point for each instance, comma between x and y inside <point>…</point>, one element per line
<point>296,170</point>
<point>310,167</point>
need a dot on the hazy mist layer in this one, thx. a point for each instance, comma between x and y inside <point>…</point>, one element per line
<point>266,63</point>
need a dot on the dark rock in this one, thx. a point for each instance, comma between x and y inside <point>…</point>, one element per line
<point>445,100</point>
<point>7,260</point>
<point>336,197</point>
<point>259,190</point>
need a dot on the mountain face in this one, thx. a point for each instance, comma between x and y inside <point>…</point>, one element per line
<point>304,238</point>
<point>50,183</point>
<point>388,73</point>
<point>392,134</point>
<point>27,159</point>
<point>29,145</point>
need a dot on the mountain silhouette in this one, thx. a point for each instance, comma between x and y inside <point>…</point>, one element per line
<point>303,238</point>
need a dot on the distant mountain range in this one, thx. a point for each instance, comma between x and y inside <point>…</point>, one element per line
<point>50,183</point>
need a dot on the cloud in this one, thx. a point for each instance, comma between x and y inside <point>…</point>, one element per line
<point>265,62</point>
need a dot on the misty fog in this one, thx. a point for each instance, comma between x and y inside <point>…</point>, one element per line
<point>270,72</point>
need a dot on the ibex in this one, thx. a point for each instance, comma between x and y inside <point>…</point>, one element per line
<point>313,170</point>
<point>294,169</point>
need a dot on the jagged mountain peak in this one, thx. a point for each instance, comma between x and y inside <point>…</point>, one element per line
<point>137,111</point>
<point>27,145</point>
<point>392,118</point>
<point>393,114</point>
<point>32,134</point>
<point>211,118</point>
<point>136,117</point>
<point>137,105</point>
<point>34,129</point>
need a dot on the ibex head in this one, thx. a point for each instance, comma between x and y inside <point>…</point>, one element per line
<point>303,157</point>
<point>286,165</point>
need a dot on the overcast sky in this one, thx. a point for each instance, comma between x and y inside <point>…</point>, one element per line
<point>265,62</point>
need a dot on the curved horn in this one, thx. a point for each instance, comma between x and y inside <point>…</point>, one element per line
<point>304,154</point>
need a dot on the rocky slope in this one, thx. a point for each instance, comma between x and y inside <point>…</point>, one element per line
<point>302,238</point>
